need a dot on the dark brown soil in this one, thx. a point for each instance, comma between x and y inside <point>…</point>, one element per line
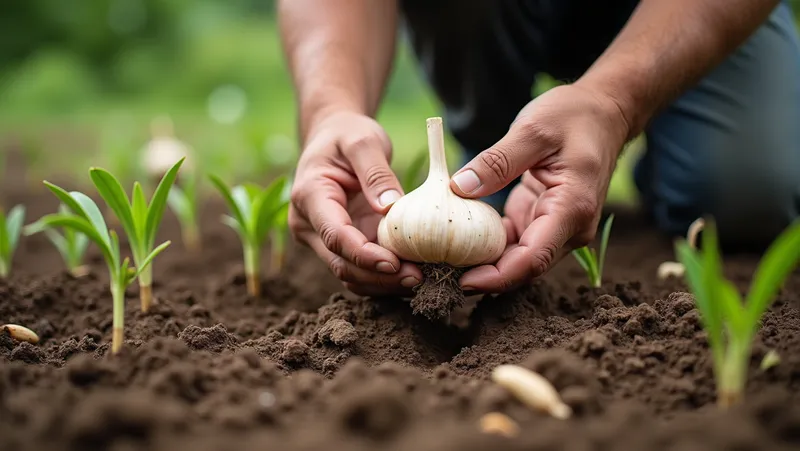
<point>308,367</point>
<point>439,294</point>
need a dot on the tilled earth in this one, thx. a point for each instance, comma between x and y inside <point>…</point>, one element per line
<point>309,366</point>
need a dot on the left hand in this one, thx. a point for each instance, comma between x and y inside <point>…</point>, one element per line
<point>565,144</point>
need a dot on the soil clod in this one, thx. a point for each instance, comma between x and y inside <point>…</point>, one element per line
<point>439,293</point>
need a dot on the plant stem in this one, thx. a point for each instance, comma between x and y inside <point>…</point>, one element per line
<point>118,323</point>
<point>3,269</point>
<point>191,238</point>
<point>251,270</point>
<point>146,288</point>
<point>79,271</point>
<point>732,373</point>
<point>437,170</point>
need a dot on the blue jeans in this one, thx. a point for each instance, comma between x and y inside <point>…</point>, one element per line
<point>729,147</point>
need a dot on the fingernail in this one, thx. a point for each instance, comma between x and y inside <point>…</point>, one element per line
<point>388,197</point>
<point>467,181</point>
<point>386,267</point>
<point>409,282</point>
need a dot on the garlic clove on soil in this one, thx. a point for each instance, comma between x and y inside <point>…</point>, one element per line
<point>164,149</point>
<point>432,224</point>
<point>670,269</point>
<point>499,423</point>
<point>20,333</point>
<point>533,389</point>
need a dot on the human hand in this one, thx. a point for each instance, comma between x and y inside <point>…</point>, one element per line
<point>343,186</point>
<point>565,144</point>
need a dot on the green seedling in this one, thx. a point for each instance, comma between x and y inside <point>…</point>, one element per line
<point>71,244</point>
<point>279,233</point>
<point>139,219</point>
<point>182,200</point>
<point>84,217</point>
<point>10,229</point>
<point>254,213</point>
<point>590,261</point>
<point>415,173</point>
<point>730,322</point>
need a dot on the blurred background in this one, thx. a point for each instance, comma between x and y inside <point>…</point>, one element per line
<point>81,81</point>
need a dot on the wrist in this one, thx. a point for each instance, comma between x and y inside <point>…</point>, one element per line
<point>318,108</point>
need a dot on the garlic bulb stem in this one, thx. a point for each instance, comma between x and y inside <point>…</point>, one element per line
<point>437,171</point>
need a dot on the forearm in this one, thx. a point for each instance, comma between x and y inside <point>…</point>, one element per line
<point>340,53</point>
<point>667,47</point>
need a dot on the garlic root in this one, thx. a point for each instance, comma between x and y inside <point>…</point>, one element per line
<point>499,423</point>
<point>439,293</point>
<point>532,389</point>
<point>20,333</point>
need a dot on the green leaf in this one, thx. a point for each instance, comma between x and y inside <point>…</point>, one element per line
<point>712,322</point>
<point>267,205</point>
<point>66,199</point>
<point>149,259</point>
<point>116,199</point>
<point>227,196</point>
<point>139,210</point>
<point>604,243</point>
<point>775,266</point>
<point>179,203</point>
<point>59,242</point>
<point>159,201</point>
<point>79,224</point>
<point>587,262</point>
<point>235,225</point>
<point>244,203</point>
<point>92,213</point>
<point>13,226</point>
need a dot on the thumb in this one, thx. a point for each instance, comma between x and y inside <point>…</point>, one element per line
<point>371,165</point>
<point>499,165</point>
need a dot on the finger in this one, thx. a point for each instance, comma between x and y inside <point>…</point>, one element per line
<point>520,149</point>
<point>540,246</point>
<point>369,156</point>
<point>407,277</point>
<point>323,205</point>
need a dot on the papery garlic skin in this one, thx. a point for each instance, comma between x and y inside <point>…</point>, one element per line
<point>432,224</point>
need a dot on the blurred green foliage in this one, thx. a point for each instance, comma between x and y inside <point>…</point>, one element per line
<point>84,78</point>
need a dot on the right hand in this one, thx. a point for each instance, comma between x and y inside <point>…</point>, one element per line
<point>343,186</point>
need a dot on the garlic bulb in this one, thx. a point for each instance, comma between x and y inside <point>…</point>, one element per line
<point>164,149</point>
<point>434,225</point>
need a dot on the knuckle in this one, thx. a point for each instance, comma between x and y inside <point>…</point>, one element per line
<point>541,261</point>
<point>340,269</point>
<point>356,257</point>
<point>378,176</point>
<point>330,237</point>
<point>362,142</point>
<point>497,162</point>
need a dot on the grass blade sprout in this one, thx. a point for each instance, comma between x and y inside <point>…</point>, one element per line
<point>139,219</point>
<point>254,212</point>
<point>10,229</point>
<point>589,259</point>
<point>84,217</point>
<point>731,322</point>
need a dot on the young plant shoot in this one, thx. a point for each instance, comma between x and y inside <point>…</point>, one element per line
<point>279,233</point>
<point>85,218</point>
<point>446,233</point>
<point>71,244</point>
<point>731,322</point>
<point>10,229</point>
<point>254,213</point>
<point>139,219</point>
<point>182,200</point>
<point>590,261</point>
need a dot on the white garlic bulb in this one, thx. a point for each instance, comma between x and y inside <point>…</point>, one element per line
<point>164,149</point>
<point>434,225</point>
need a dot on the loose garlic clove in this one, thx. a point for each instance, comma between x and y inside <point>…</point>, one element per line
<point>164,149</point>
<point>499,423</point>
<point>20,333</point>
<point>670,269</point>
<point>434,225</point>
<point>532,389</point>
